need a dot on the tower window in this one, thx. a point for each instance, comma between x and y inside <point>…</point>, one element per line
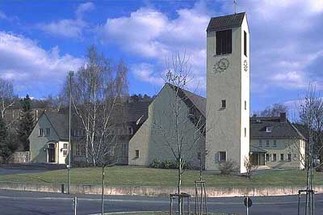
<point>223,103</point>
<point>245,105</point>
<point>224,42</point>
<point>245,43</point>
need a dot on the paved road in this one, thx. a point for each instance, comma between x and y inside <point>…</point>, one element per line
<point>35,203</point>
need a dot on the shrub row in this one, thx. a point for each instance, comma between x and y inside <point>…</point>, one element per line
<point>168,164</point>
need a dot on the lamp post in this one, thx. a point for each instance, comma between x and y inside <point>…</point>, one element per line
<point>70,74</point>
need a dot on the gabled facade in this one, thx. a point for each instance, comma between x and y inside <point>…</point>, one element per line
<point>276,143</point>
<point>175,120</point>
<point>49,139</point>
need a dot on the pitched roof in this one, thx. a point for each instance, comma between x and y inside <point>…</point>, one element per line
<point>191,99</point>
<point>225,22</point>
<point>137,110</point>
<point>59,122</point>
<point>273,127</point>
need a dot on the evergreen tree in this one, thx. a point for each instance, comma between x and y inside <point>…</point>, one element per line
<point>26,123</point>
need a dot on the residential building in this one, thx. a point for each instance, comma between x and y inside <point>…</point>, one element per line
<point>49,139</point>
<point>276,143</point>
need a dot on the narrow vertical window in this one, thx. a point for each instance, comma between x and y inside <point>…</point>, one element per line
<point>224,42</point>
<point>274,158</point>
<point>282,157</point>
<point>41,132</point>
<point>267,157</point>
<point>245,105</point>
<point>47,132</point>
<point>245,43</point>
<point>245,132</point>
<point>223,103</point>
<point>137,154</point>
<point>289,157</point>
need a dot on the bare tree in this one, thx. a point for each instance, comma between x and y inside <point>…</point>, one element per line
<point>98,92</point>
<point>174,124</point>
<point>311,115</point>
<point>274,110</point>
<point>250,166</point>
<point>7,97</point>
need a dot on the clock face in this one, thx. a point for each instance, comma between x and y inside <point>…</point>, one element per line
<point>245,65</point>
<point>221,66</point>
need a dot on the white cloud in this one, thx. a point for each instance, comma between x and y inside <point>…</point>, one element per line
<point>145,72</point>
<point>83,8</point>
<point>150,34</point>
<point>71,28</point>
<point>284,45</point>
<point>66,28</point>
<point>30,66</point>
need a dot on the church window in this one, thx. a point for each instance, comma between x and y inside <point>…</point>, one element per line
<point>222,156</point>
<point>274,158</point>
<point>282,157</point>
<point>245,132</point>
<point>289,157</point>
<point>224,42</point>
<point>275,143</point>
<point>267,157</point>
<point>245,105</point>
<point>137,154</point>
<point>245,43</point>
<point>223,103</point>
<point>267,143</point>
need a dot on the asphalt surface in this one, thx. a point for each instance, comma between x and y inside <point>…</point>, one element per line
<point>36,203</point>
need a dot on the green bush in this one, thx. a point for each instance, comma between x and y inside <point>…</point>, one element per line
<point>228,167</point>
<point>168,164</point>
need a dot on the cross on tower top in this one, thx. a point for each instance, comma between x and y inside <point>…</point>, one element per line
<point>235,6</point>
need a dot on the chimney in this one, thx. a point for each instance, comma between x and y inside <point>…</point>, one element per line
<point>283,117</point>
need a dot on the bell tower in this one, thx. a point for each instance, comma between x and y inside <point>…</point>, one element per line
<point>227,111</point>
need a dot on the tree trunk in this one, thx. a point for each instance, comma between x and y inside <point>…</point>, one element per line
<point>179,187</point>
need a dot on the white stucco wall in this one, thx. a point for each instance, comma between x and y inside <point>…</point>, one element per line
<point>294,147</point>
<point>157,135</point>
<point>228,128</point>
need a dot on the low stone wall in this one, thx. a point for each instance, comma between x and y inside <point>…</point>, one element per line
<point>156,191</point>
<point>19,157</point>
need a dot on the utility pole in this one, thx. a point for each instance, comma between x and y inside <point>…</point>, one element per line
<point>70,74</point>
<point>102,194</point>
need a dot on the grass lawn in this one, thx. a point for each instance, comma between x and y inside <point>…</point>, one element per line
<point>140,176</point>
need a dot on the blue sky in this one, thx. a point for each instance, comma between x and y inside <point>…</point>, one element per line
<point>40,41</point>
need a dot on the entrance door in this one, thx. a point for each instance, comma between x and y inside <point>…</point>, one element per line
<point>51,153</point>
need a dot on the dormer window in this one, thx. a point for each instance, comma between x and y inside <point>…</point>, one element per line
<point>269,129</point>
